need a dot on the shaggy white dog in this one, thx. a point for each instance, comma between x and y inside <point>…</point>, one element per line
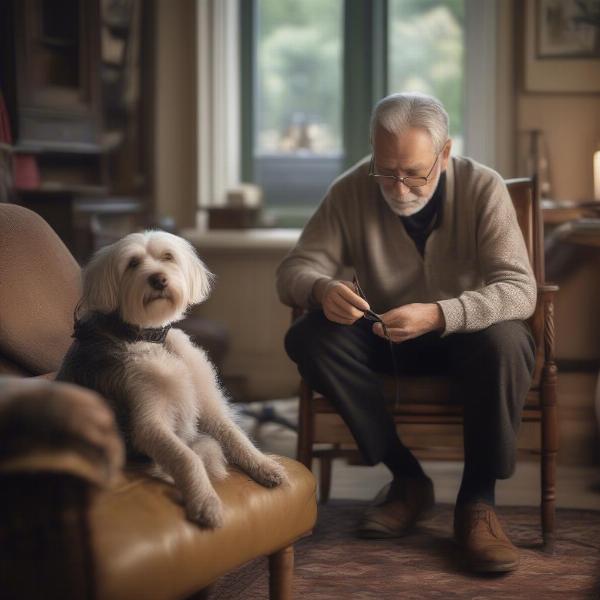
<point>163,389</point>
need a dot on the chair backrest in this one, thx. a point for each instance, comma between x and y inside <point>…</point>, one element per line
<point>40,284</point>
<point>523,193</point>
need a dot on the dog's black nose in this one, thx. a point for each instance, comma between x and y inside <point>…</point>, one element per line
<point>158,281</point>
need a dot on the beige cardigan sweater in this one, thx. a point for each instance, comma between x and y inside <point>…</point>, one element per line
<point>475,265</point>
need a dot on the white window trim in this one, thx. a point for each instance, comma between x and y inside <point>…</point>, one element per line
<point>218,91</point>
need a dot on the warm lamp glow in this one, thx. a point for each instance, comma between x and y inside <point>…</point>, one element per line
<point>597,175</point>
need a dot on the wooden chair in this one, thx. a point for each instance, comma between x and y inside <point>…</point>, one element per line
<point>425,405</point>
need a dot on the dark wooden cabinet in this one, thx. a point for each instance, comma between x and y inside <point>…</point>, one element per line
<point>58,79</point>
<point>75,75</point>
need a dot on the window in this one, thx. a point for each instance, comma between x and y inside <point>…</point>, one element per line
<point>297,142</point>
<point>426,54</point>
<point>298,80</point>
<point>311,72</point>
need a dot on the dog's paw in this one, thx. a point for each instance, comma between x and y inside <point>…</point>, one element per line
<point>269,472</point>
<point>207,512</point>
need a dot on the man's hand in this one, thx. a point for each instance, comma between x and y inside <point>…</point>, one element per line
<point>410,321</point>
<point>340,303</point>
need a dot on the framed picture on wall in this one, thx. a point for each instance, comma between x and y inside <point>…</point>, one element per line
<point>562,46</point>
<point>564,29</point>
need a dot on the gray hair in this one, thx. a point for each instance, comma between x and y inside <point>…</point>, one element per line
<point>397,112</point>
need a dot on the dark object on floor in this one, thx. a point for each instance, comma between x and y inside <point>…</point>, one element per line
<point>269,414</point>
<point>335,563</point>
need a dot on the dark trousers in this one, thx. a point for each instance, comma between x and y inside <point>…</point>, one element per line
<point>490,370</point>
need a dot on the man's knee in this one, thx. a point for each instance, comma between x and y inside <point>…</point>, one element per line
<point>508,342</point>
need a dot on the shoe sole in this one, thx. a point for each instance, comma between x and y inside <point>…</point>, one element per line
<point>492,567</point>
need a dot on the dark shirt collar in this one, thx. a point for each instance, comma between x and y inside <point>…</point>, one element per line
<point>112,324</point>
<point>429,217</point>
<point>420,225</point>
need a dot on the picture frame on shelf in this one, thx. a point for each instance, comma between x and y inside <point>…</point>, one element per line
<point>562,48</point>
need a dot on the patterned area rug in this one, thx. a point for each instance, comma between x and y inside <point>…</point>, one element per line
<point>334,564</point>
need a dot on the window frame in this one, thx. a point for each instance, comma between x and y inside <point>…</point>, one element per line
<point>365,22</point>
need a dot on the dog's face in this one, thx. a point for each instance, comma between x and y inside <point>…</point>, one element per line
<point>150,278</point>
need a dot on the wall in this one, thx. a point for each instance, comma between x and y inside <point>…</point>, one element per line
<point>175,111</point>
<point>570,122</point>
<point>571,126</point>
<point>244,299</point>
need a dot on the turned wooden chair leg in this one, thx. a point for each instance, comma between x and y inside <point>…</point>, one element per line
<point>549,450</point>
<point>281,574</point>
<point>549,433</point>
<point>325,479</point>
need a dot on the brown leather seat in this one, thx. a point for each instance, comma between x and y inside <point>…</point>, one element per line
<point>147,549</point>
<point>143,546</point>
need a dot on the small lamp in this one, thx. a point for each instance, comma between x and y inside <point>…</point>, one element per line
<point>597,173</point>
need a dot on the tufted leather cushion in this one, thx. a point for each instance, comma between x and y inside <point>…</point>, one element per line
<point>39,288</point>
<point>145,548</point>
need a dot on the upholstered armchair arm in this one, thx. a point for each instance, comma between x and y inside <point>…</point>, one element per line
<point>59,428</point>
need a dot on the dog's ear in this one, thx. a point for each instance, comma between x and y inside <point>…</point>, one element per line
<point>199,277</point>
<point>101,283</point>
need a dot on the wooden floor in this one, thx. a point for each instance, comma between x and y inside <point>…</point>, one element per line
<point>578,486</point>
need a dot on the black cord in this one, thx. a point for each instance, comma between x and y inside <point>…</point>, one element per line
<point>394,363</point>
<point>375,318</point>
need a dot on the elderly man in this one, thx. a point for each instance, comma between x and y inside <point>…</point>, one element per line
<point>434,241</point>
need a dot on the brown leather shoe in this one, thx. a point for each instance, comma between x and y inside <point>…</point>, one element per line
<point>487,548</point>
<point>397,508</point>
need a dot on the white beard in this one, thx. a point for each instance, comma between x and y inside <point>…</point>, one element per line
<point>407,205</point>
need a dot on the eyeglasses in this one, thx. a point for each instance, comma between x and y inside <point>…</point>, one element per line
<point>411,181</point>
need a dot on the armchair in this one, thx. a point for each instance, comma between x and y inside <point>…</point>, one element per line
<point>141,544</point>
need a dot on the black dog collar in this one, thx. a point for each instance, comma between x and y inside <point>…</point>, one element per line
<point>115,326</point>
